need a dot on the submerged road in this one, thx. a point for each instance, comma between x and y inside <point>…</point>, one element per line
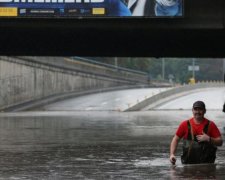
<point>106,101</point>
<point>98,145</point>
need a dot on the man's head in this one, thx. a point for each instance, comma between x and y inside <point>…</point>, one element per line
<point>199,110</point>
<point>199,104</point>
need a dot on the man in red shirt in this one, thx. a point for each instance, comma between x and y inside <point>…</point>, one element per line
<point>200,136</point>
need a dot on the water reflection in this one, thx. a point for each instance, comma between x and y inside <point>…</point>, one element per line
<point>96,145</point>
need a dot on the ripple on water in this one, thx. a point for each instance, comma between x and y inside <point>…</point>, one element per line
<point>153,162</point>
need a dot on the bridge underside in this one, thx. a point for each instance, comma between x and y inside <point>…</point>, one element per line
<point>200,33</point>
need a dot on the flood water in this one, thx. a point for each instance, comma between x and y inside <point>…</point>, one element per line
<point>98,145</point>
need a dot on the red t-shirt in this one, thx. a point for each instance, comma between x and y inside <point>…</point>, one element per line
<point>182,131</point>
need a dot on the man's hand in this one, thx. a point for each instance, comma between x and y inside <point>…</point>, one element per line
<point>203,137</point>
<point>173,159</point>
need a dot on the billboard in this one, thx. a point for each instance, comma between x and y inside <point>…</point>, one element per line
<point>90,8</point>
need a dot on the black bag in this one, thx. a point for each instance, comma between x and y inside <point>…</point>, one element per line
<point>208,154</point>
<point>199,153</point>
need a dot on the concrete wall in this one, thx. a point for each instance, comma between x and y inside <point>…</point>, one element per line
<point>28,79</point>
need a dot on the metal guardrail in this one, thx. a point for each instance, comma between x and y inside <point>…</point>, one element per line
<point>70,69</point>
<point>107,65</point>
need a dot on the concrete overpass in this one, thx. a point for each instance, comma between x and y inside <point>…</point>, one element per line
<point>31,81</point>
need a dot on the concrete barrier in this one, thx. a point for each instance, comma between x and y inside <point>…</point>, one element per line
<point>24,80</point>
<point>171,94</point>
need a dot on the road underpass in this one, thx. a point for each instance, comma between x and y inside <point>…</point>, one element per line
<point>100,144</point>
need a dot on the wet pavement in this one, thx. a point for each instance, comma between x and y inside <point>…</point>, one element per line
<point>98,145</point>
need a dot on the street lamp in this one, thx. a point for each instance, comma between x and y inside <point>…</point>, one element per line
<point>193,68</point>
<point>163,68</point>
<point>116,62</point>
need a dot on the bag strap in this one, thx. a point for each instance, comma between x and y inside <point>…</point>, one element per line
<point>206,128</point>
<point>190,129</point>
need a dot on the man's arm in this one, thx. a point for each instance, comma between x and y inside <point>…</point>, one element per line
<point>173,147</point>
<point>215,141</point>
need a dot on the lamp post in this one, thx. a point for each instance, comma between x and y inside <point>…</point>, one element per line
<point>163,68</point>
<point>116,62</point>
<point>223,70</point>
<point>193,69</point>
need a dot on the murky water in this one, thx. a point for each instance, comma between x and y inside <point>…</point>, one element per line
<point>97,145</point>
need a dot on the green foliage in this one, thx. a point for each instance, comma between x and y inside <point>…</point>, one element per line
<point>210,69</point>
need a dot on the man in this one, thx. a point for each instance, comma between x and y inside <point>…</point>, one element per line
<point>200,136</point>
